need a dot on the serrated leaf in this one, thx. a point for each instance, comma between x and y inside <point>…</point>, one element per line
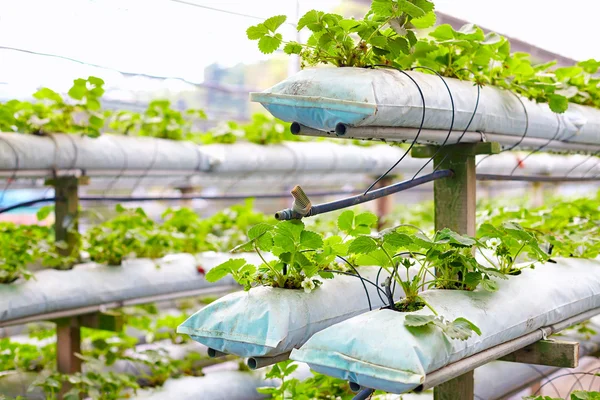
<point>464,323</point>
<point>363,245</point>
<point>426,21</point>
<point>375,258</point>
<point>268,44</point>
<point>558,104</point>
<point>47,94</point>
<point>310,240</point>
<point>489,285</point>
<point>326,275</point>
<point>382,8</point>
<point>292,48</point>
<point>410,9</point>
<point>221,270</point>
<point>348,24</point>
<point>311,20</point>
<point>258,230</point>
<point>443,32</point>
<point>274,22</point>
<point>399,46</point>
<point>379,41</point>
<point>291,229</point>
<point>418,320</point>
<point>365,218</point>
<point>345,221</point>
<point>257,31</point>
<point>265,242</point>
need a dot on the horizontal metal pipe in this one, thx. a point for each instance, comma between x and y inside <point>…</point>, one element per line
<point>212,353</point>
<point>534,178</point>
<point>261,362</point>
<point>430,136</point>
<point>73,312</point>
<point>465,365</point>
<point>364,394</point>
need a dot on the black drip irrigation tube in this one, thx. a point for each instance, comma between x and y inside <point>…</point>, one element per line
<point>125,199</point>
<point>302,207</point>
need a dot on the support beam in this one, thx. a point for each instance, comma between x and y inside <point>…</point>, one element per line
<point>455,198</point>
<point>455,201</point>
<point>66,210</point>
<point>553,353</point>
<point>383,205</point>
<point>102,321</point>
<point>68,343</point>
<point>459,388</point>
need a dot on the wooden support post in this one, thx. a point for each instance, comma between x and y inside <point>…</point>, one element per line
<point>186,190</point>
<point>383,205</point>
<point>455,200</point>
<point>553,353</point>
<point>459,388</point>
<point>66,210</point>
<point>68,343</point>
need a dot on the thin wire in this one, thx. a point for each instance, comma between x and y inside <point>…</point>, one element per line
<point>152,162</point>
<point>121,172</point>
<point>227,89</point>
<point>362,280</point>
<point>187,3</point>
<point>451,122</point>
<point>539,148</point>
<point>522,137</point>
<point>583,162</point>
<point>418,132</point>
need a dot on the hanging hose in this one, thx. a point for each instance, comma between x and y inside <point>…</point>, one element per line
<point>302,207</point>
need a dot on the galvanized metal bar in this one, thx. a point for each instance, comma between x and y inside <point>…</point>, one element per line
<point>535,178</point>
<point>261,362</point>
<point>429,136</point>
<point>470,363</point>
<point>116,304</point>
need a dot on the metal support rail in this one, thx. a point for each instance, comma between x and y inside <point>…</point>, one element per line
<point>429,136</point>
<point>74,312</point>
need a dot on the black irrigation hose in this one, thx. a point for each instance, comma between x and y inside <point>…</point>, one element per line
<point>289,214</point>
<point>123,199</point>
<point>364,394</point>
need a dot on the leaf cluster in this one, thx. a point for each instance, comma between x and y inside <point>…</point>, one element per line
<point>387,36</point>
<point>298,258</point>
<point>51,113</point>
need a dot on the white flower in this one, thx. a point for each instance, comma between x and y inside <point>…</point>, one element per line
<point>308,285</point>
<point>493,243</point>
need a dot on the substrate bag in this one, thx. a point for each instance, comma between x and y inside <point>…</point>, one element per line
<point>266,321</point>
<point>321,98</point>
<point>377,350</point>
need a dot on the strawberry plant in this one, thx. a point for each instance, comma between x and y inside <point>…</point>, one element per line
<point>386,36</point>
<point>301,257</point>
<point>19,248</point>
<point>80,113</point>
<point>130,234</point>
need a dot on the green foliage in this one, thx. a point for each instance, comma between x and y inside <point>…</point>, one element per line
<point>262,129</point>
<point>159,121</point>
<point>386,32</point>
<point>386,35</point>
<point>300,258</point>
<point>20,246</point>
<point>130,234</point>
<point>318,386</point>
<point>50,113</point>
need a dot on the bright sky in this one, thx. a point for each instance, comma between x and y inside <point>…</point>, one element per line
<point>167,38</point>
<point>569,28</point>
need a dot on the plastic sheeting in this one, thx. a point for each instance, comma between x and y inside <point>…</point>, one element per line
<point>268,321</point>
<point>376,350</point>
<point>321,98</point>
<point>108,152</point>
<point>92,284</point>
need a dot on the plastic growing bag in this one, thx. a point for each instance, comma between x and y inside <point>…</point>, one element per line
<point>92,284</point>
<point>321,98</point>
<point>266,321</point>
<point>377,350</point>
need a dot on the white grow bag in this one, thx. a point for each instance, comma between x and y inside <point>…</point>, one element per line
<point>266,321</point>
<point>376,350</point>
<point>88,285</point>
<point>321,98</point>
